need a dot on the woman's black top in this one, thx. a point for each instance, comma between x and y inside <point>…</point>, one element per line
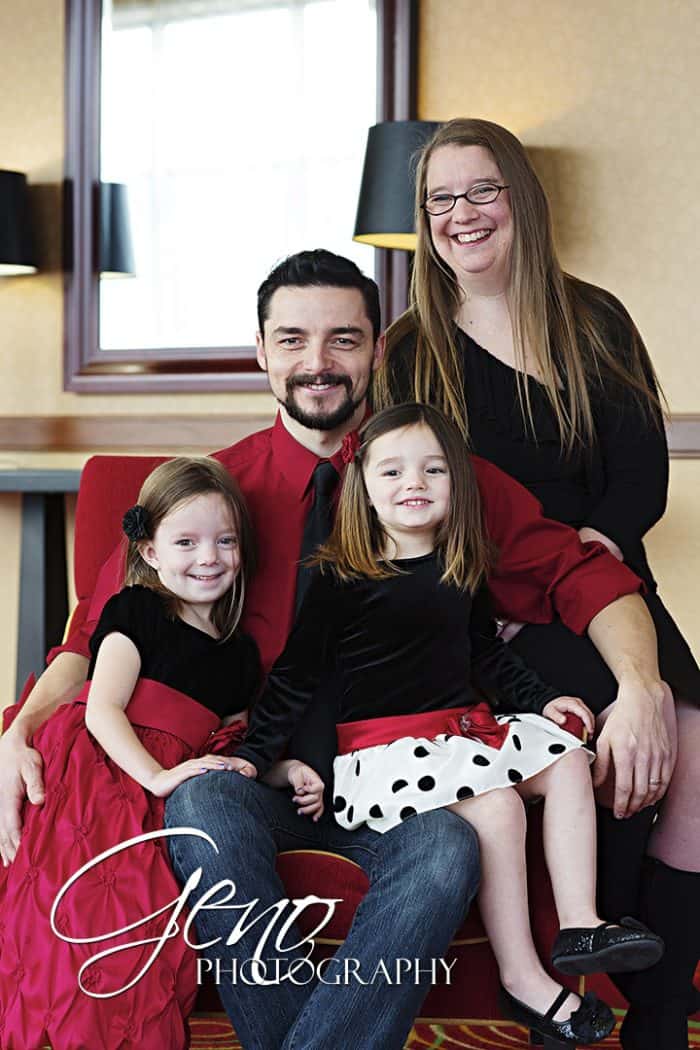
<point>222,676</point>
<point>619,486</point>
<point>401,645</point>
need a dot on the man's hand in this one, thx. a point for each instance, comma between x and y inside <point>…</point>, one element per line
<point>240,765</point>
<point>308,790</point>
<point>21,767</point>
<point>21,777</point>
<point>557,710</point>
<point>636,747</point>
<point>635,743</point>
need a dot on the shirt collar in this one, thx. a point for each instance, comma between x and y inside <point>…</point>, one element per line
<point>295,462</point>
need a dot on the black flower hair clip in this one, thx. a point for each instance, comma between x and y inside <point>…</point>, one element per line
<point>135,523</point>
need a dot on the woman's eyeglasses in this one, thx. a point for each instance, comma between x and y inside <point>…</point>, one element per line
<point>483,193</point>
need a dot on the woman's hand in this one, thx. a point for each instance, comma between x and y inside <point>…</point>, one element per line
<point>164,781</point>
<point>557,710</point>
<point>635,746</point>
<point>308,790</point>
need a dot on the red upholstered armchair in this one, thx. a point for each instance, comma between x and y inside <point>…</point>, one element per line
<point>109,485</point>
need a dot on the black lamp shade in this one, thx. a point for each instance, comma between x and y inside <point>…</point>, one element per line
<point>116,251</point>
<point>16,245</point>
<point>385,208</point>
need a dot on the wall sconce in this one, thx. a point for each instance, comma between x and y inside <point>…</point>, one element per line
<point>116,250</point>
<point>16,244</point>
<point>385,208</point>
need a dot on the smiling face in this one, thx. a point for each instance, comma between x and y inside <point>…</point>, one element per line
<point>319,352</point>
<point>195,551</point>
<point>408,484</point>
<point>472,239</point>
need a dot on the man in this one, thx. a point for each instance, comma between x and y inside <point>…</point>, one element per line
<point>319,342</point>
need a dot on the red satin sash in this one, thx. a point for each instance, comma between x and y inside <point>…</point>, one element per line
<point>476,722</point>
<point>157,706</point>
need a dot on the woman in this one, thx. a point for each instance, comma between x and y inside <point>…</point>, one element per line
<point>549,379</point>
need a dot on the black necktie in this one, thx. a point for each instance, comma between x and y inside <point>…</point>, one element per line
<point>317,526</point>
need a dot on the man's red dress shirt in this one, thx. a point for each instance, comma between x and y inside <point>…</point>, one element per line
<point>543,569</point>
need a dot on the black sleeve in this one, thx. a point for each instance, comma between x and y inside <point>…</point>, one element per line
<point>632,445</point>
<point>501,674</point>
<point>295,677</point>
<point>135,612</point>
<point>315,738</point>
<point>249,678</point>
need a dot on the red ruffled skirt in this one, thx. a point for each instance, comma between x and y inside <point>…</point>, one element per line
<point>91,806</point>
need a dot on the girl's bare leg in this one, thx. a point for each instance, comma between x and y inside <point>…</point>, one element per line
<point>569,834</point>
<point>498,818</point>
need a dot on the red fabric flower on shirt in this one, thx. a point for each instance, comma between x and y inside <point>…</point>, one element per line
<point>349,447</point>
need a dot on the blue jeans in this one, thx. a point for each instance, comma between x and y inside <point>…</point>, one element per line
<point>423,876</point>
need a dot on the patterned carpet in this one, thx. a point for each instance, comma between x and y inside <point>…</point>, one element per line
<point>212,1032</point>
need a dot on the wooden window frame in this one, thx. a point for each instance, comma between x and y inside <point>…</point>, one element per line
<point>87,369</point>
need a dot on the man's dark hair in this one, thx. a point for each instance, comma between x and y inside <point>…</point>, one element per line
<point>320,269</point>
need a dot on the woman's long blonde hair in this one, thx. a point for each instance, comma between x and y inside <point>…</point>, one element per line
<point>171,485</point>
<point>562,322</point>
<point>357,544</point>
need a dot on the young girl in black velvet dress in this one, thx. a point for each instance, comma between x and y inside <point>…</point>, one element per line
<point>401,608</point>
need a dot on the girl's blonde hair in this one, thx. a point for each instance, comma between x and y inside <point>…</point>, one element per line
<point>165,489</point>
<point>564,323</point>
<point>357,544</point>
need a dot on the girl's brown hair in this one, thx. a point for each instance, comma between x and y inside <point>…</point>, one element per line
<point>357,544</point>
<point>169,486</point>
<point>564,324</point>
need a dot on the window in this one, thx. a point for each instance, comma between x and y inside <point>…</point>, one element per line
<point>239,130</point>
<point>239,127</point>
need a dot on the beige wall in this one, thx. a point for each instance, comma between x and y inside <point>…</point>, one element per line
<point>674,549</point>
<point>31,308</point>
<point>606,96</point>
<point>10,538</point>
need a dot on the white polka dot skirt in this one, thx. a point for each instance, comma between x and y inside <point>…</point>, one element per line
<point>383,785</point>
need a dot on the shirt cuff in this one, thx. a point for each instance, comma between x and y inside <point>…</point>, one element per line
<point>588,591</point>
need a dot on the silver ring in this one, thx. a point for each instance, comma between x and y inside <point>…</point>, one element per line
<point>656,781</point>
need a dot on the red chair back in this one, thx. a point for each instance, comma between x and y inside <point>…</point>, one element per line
<point>109,485</point>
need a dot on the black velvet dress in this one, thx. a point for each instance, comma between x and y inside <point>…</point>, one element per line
<point>406,647</point>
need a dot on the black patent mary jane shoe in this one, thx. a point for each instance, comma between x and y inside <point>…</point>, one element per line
<point>592,1021</point>
<point>549,1044</point>
<point>608,948</point>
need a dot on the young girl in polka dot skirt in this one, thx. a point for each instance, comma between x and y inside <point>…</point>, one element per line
<point>400,609</point>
